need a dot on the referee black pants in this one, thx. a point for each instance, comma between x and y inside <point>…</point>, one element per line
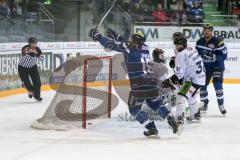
<point>33,85</point>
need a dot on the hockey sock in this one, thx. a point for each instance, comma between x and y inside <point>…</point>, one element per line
<point>204,96</point>
<point>140,115</point>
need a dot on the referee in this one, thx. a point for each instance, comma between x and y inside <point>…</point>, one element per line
<point>27,68</point>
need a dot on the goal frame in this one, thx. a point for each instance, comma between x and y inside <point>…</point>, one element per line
<point>85,83</point>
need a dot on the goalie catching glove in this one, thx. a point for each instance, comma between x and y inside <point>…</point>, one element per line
<point>170,82</point>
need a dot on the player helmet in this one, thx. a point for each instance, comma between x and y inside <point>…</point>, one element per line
<point>208,26</point>
<point>32,40</point>
<point>179,38</point>
<point>158,56</point>
<point>138,37</point>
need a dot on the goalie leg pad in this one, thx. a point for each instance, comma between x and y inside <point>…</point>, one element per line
<point>193,105</point>
<point>180,105</point>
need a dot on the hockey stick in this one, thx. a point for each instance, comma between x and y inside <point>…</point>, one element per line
<point>124,12</point>
<point>106,14</point>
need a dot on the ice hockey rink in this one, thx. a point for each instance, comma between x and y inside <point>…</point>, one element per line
<point>215,138</point>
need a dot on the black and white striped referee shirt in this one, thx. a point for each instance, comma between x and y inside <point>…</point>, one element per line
<point>29,59</point>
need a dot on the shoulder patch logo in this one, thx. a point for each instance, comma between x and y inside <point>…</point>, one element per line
<point>211,46</point>
<point>220,43</point>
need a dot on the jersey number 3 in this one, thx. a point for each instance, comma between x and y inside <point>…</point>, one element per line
<point>200,67</point>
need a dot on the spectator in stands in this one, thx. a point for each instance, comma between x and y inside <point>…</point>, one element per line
<point>154,3</point>
<point>189,3</point>
<point>32,12</point>
<point>159,14</point>
<point>4,9</point>
<point>235,7</point>
<point>173,4</point>
<point>126,5</point>
<point>147,6</point>
<point>195,13</point>
<point>181,15</point>
<point>177,13</point>
<point>137,12</point>
<point>16,8</point>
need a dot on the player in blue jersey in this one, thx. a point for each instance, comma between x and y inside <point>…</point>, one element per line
<point>143,82</point>
<point>213,52</point>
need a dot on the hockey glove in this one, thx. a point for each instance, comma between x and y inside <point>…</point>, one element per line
<point>180,81</point>
<point>172,62</point>
<point>168,84</point>
<point>209,57</point>
<point>94,34</point>
<point>114,35</point>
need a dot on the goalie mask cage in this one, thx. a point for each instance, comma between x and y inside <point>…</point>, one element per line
<point>77,101</point>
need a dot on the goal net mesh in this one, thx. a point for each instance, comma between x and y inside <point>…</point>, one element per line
<point>83,94</point>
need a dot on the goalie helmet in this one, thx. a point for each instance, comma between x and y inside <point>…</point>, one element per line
<point>179,39</point>
<point>158,56</point>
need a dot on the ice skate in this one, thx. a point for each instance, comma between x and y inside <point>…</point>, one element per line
<point>30,94</point>
<point>222,109</point>
<point>177,126</point>
<point>204,108</point>
<point>194,117</point>
<point>152,130</point>
<point>39,99</point>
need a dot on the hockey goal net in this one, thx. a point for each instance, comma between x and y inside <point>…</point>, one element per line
<point>83,95</point>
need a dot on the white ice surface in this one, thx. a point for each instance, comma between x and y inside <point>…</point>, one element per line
<point>215,138</point>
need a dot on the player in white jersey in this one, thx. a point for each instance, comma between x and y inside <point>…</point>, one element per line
<point>190,75</point>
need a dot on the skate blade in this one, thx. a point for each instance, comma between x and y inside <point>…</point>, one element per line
<point>203,112</point>
<point>156,136</point>
<point>200,104</point>
<point>149,135</point>
<point>193,121</point>
<point>224,115</point>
